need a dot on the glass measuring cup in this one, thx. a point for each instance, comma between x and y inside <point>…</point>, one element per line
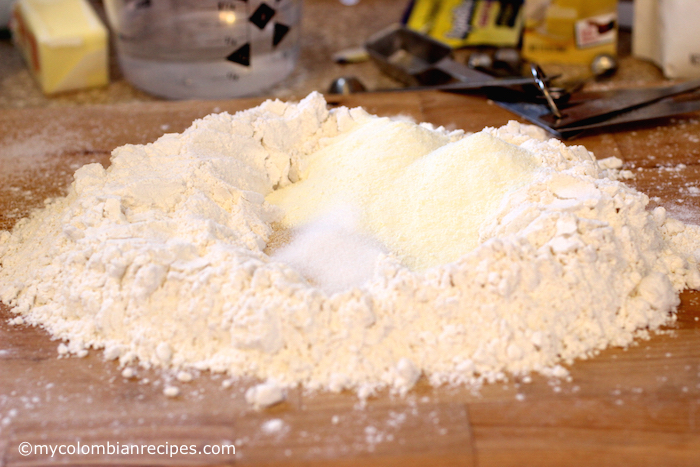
<point>206,49</point>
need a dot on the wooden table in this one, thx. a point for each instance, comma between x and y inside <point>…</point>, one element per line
<point>639,406</point>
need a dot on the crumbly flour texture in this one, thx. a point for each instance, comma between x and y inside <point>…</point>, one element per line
<point>413,252</point>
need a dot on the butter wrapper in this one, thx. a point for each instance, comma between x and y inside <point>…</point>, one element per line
<point>569,31</point>
<point>463,23</point>
<point>63,42</point>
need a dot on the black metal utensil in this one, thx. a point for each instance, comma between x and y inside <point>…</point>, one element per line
<point>585,111</point>
<point>418,60</point>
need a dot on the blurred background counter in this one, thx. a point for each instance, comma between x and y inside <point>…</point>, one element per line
<point>328,26</point>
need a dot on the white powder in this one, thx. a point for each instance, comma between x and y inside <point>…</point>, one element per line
<point>159,259</point>
<point>264,394</point>
<point>274,426</point>
<point>332,252</point>
<point>171,391</point>
<point>184,377</point>
<point>426,207</point>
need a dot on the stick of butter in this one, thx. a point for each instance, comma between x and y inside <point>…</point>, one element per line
<point>64,43</point>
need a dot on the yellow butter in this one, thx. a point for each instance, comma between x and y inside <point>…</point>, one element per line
<point>64,43</point>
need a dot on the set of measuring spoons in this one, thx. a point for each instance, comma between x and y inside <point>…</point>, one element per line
<point>423,63</point>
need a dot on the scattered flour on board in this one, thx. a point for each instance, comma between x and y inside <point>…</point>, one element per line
<point>160,259</point>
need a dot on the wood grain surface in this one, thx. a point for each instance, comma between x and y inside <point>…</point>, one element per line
<point>635,407</point>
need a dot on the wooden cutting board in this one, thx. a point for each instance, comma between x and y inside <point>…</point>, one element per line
<point>634,407</point>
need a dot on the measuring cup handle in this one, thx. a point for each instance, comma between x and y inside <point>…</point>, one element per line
<point>461,72</point>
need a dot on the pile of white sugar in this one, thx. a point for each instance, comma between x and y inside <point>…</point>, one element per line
<point>414,251</point>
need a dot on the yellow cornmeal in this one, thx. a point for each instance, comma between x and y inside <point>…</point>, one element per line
<point>352,169</point>
<point>419,194</point>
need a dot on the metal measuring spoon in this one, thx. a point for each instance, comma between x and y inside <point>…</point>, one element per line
<point>603,66</point>
<point>346,85</point>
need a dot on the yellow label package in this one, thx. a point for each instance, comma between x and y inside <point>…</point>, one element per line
<point>462,23</point>
<point>569,31</point>
<point>64,43</point>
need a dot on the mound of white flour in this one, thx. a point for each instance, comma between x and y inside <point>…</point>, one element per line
<point>159,259</point>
